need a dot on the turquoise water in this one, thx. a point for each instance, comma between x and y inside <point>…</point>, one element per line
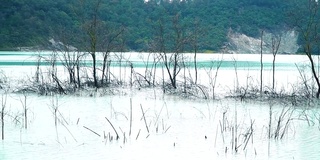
<point>31,59</point>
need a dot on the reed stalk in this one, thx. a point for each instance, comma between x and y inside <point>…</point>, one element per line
<point>113,128</point>
<point>130,116</point>
<point>144,117</point>
<point>92,131</point>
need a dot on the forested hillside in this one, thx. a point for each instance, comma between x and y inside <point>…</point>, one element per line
<point>136,24</point>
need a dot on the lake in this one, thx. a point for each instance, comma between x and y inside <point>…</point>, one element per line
<point>151,124</point>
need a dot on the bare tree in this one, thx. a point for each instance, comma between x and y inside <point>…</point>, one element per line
<point>306,21</point>
<point>25,108</point>
<point>103,37</point>
<point>213,74</point>
<point>151,62</point>
<point>91,25</point>
<point>261,62</point>
<point>3,107</point>
<point>159,45</point>
<point>172,61</point>
<point>173,37</point>
<point>92,33</point>
<point>275,44</point>
<point>112,41</point>
<point>68,55</point>
<point>70,59</point>
<point>53,73</point>
<point>195,44</point>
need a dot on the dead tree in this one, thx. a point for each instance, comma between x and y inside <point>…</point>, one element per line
<point>172,62</point>
<point>195,44</point>
<point>275,44</point>
<point>3,107</point>
<point>70,59</point>
<point>91,25</point>
<point>306,21</point>
<point>261,62</point>
<point>111,42</point>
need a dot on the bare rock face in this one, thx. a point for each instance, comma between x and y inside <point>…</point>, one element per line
<point>241,43</point>
<point>54,45</point>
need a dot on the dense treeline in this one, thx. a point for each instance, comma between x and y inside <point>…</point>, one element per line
<point>33,22</point>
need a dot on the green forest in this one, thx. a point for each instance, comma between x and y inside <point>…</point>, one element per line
<point>139,25</point>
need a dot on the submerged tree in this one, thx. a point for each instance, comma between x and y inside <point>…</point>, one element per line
<point>305,17</point>
<point>173,38</point>
<point>261,62</point>
<point>92,32</point>
<point>3,107</point>
<point>101,35</point>
<point>70,57</point>
<point>88,15</point>
<point>112,40</point>
<point>178,48</point>
<point>197,32</point>
<point>275,44</point>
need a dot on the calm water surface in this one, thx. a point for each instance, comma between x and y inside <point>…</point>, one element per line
<point>177,128</point>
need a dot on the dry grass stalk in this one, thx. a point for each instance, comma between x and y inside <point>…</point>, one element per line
<point>144,117</point>
<point>130,116</point>
<point>113,128</point>
<point>138,134</point>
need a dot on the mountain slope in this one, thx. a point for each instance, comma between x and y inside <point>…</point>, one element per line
<point>34,22</point>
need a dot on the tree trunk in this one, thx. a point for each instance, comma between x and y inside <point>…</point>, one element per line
<point>195,66</point>
<point>273,71</point>
<point>174,84</point>
<point>171,76</point>
<point>94,70</point>
<point>71,79</point>
<point>314,74</point>
<point>261,63</point>
<point>2,124</point>
<point>104,66</point>
<point>78,74</point>
<point>25,117</point>
<point>276,40</point>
